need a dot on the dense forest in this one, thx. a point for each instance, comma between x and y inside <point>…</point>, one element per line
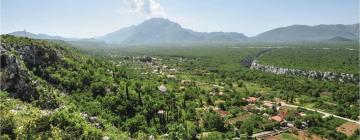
<point>55,90</point>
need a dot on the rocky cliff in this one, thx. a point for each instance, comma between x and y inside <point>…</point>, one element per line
<point>15,77</point>
<point>21,73</point>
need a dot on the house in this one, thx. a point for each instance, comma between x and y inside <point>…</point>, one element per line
<point>184,82</point>
<point>172,70</point>
<point>281,116</point>
<point>251,100</point>
<point>171,76</point>
<point>277,118</point>
<point>161,112</point>
<point>162,88</point>
<point>265,115</point>
<point>290,124</point>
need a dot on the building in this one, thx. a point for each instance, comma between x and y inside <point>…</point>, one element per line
<point>277,118</point>
<point>281,115</point>
<point>162,88</point>
<point>251,100</point>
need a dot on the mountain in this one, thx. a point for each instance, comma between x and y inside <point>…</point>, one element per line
<point>309,33</point>
<point>339,38</point>
<point>160,30</point>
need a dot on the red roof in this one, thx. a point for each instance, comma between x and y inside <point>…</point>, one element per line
<point>281,116</point>
<point>277,118</point>
<point>251,99</point>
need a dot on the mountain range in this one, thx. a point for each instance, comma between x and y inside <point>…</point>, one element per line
<point>160,30</point>
<point>310,33</point>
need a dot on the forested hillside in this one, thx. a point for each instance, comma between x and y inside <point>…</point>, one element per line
<point>39,81</point>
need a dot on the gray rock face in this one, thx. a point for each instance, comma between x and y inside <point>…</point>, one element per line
<point>16,65</point>
<point>15,76</point>
<point>321,75</point>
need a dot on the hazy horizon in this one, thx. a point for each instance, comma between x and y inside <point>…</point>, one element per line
<point>64,18</point>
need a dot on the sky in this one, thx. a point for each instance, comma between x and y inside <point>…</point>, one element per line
<point>94,18</point>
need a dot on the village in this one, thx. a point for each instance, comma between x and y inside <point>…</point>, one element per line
<point>278,117</point>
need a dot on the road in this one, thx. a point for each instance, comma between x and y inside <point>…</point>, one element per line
<point>325,113</point>
<point>270,133</point>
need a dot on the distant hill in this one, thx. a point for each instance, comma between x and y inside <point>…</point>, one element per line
<point>309,33</point>
<point>39,36</point>
<point>50,37</point>
<point>159,30</point>
<point>339,38</point>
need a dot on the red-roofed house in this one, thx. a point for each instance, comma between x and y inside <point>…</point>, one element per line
<point>281,116</point>
<point>277,118</point>
<point>251,99</point>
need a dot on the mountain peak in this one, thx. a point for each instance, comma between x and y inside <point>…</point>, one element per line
<point>162,30</point>
<point>159,22</point>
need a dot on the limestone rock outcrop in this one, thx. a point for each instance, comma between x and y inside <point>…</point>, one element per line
<point>321,75</point>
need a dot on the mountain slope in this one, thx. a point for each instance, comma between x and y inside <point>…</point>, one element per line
<point>159,30</point>
<point>309,33</point>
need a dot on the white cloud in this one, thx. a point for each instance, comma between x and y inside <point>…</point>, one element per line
<point>147,8</point>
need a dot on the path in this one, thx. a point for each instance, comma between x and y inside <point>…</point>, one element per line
<point>325,113</point>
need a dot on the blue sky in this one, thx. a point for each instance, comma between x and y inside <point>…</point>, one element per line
<point>89,18</point>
